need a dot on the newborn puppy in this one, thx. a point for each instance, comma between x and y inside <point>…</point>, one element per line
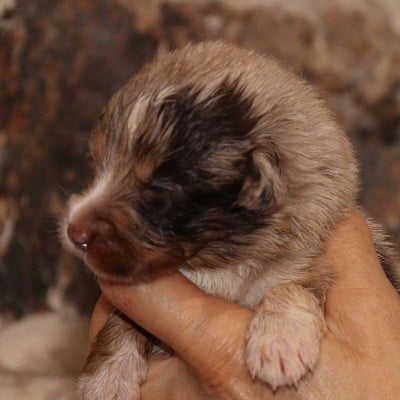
<point>218,162</point>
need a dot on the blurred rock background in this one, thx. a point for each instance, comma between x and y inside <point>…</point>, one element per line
<point>60,60</point>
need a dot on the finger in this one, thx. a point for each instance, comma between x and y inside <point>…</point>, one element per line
<point>184,314</point>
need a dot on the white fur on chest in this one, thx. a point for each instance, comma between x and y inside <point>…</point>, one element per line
<point>245,284</point>
<point>233,284</point>
<point>226,283</point>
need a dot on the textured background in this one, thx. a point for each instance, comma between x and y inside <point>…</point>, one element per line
<point>60,60</point>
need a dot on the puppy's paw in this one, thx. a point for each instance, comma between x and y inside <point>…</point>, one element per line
<point>115,376</point>
<point>284,336</point>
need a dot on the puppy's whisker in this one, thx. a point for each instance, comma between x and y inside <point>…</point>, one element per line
<point>64,193</point>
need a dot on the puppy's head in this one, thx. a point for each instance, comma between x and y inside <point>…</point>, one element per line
<point>178,173</point>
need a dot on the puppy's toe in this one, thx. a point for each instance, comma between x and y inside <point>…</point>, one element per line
<point>283,340</point>
<point>281,359</point>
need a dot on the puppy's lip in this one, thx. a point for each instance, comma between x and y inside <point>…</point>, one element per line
<point>104,276</point>
<point>113,282</point>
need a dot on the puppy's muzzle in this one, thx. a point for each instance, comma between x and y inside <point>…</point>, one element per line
<point>87,235</point>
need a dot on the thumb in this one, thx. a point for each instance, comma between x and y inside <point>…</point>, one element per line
<point>352,254</point>
<point>361,296</point>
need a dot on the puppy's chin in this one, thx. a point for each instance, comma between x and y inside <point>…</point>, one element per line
<point>111,269</point>
<point>100,274</point>
<point>128,267</point>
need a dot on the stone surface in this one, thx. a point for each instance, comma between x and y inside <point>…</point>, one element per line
<point>41,355</point>
<point>19,387</point>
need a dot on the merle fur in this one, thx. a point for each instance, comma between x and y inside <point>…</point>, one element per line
<point>178,200</point>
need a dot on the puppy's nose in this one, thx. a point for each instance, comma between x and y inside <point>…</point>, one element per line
<point>79,236</point>
<point>86,233</point>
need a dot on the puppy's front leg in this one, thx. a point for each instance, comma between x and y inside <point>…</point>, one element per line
<point>117,364</point>
<point>284,335</point>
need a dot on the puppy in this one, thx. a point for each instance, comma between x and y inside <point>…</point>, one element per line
<point>217,161</point>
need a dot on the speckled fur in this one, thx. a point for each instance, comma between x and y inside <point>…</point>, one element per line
<point>300,154</point>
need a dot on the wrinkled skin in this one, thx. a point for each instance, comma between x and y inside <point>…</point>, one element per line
<point>360,355</point>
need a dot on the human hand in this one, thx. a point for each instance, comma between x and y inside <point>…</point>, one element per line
<point>360,354</point>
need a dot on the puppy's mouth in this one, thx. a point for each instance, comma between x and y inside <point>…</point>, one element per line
<point>116,259</point>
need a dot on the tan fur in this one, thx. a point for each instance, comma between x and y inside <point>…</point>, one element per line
<point>297,150</point>
<point>116,365</point>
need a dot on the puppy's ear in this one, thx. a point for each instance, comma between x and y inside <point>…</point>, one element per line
<point>263,189</point>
